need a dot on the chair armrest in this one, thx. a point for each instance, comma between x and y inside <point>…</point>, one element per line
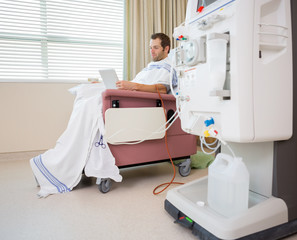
<point>135,94</point>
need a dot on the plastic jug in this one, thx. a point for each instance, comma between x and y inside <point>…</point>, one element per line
<point>228,185</point>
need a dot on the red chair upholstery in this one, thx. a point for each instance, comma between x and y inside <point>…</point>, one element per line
<point>180,143</point>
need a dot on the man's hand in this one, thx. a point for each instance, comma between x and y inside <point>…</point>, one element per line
<point>126,85</point>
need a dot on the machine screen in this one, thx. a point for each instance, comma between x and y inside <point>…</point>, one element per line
<point>204,3</point>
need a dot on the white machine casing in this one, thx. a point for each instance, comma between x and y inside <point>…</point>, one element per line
<point>234,65</point>
<point>255,103</point>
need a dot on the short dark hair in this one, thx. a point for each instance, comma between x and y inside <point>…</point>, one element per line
<point>165,40</point>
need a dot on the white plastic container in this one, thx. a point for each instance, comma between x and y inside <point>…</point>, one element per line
<point>228,185</point>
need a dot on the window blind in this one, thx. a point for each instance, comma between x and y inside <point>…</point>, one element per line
<point>60,40</point>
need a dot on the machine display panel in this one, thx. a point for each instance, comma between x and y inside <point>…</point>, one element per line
<point>204,3</point>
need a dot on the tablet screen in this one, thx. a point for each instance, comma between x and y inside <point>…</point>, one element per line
<point>109,77</point>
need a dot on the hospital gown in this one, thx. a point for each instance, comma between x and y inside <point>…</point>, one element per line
<point>59,170</point>
<point>157,73</point>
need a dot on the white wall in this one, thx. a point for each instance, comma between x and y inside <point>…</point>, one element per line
<point>33,115</point>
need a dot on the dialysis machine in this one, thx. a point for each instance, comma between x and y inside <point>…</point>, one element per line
<point>234,65</point>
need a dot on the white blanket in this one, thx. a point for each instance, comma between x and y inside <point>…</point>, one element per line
<point>81,146</point>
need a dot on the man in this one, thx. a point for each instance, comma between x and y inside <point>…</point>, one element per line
<point>157,74</point>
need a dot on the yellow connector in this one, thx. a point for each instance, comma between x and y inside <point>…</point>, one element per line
<point>206,133</point>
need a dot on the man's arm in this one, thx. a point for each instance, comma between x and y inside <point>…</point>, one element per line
<point>127,85</point>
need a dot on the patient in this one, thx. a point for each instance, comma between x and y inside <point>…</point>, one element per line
<point>82,145</point>
<point>157,74</point>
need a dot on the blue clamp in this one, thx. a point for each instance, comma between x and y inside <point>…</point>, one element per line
<point>209,122</point>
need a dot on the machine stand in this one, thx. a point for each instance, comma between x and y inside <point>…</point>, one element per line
<point>278,232</point>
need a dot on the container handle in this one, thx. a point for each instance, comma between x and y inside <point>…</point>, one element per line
<point>222,157</point>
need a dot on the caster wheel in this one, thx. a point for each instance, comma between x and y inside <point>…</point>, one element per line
<point>184,168</point>
<point>105,185</point>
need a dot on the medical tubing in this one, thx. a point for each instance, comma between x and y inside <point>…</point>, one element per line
<point>171,77</point>
<point>213,143</point>
<point>230,149</point>
<point>167,148</point>
<point>175,118</point>
<point>116,133</point>
<point>208,145</point>
<point>121,130</point>
<point>177,97</point>
<point>227,145</point>
<point>203,142</point>
<point>146,138</point>
<point>178,106</point>
<point>168,121</point>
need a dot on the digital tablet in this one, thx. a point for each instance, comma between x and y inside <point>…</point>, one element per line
<point>109,78</point>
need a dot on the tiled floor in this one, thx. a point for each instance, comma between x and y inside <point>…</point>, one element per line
<point>129,211</point>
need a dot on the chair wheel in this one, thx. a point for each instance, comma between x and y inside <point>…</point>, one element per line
<point>105,185</point>
<point>184,168</point>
